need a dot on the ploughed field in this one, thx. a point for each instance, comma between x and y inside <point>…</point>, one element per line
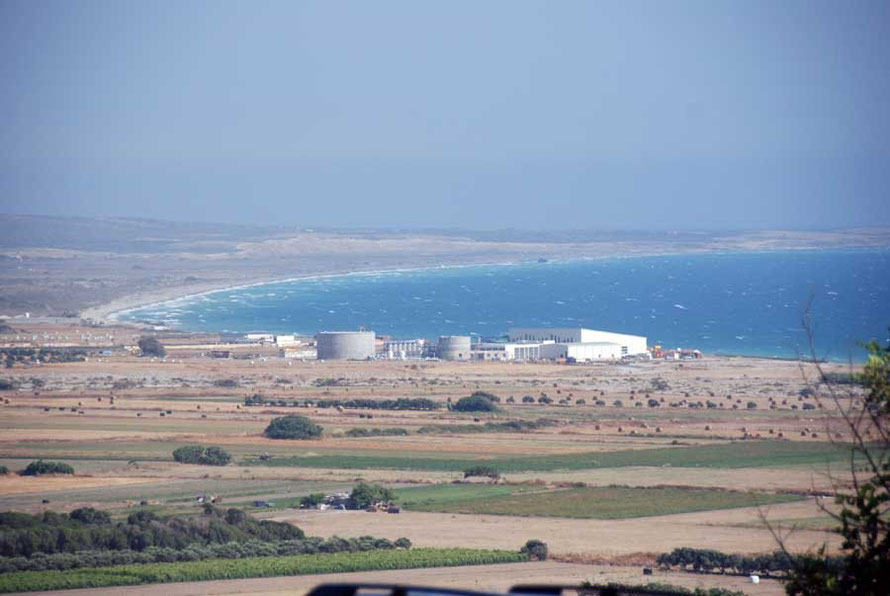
<point>623,466</point>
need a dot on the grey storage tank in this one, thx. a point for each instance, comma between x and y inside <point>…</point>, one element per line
<point>454,347</point>
<point>345,345</point>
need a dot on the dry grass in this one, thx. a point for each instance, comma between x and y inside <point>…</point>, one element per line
<point>16,485</point>
<point>603,537</point>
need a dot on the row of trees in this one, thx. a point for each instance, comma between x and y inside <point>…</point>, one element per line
<point>422,404</point>
<point>376,432</point>
<point>509,426</point>
<point>40,467</point>
<point>701,560</point>
<point>198,552</point>
<point>89,529</point>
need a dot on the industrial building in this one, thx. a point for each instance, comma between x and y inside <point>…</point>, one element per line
<point>627,345</point>
<point>521,352</point>
<point>582,351</point>
<point>345,345</point>
<point>286,341</point>
<point>405,349</point>
<point>454,347</point>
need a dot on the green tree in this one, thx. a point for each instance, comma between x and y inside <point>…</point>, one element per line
<point>88,515</point>
<point>482,470</point>
<point>535,549</point>
<point>150,346</point>
<point>292,427</point>
<point>365,495</point>
<point>310,501</point>
<point>205,456</point>
<point>865,509</point>
<point>478,402</point>
<point>36,468</point>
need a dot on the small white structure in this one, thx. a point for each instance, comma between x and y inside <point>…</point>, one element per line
<point>629,345</point>
<point>262,338</point>
<point>307,354</point>
<point>286,341</point>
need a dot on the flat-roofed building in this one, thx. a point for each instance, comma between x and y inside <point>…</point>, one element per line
<point>629,345</point>
<point>522,352</point>
<point>582,351</point>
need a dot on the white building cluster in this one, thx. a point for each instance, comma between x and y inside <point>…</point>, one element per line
<point>573,344</point>
<point>568,344</point>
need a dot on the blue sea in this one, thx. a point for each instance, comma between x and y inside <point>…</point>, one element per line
<point>725,303</point>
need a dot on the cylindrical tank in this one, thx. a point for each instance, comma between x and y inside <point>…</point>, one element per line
<point>454,347</point>
<point>345,345</point>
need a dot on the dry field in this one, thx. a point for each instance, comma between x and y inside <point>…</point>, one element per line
<point>121,449</point>
<point>496,578</point>
<point>719,530</point>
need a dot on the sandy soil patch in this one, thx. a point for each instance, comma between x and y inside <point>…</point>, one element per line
<point>497,578</point>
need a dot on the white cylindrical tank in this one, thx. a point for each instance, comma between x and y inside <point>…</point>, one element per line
<point>345,345</point>
<point>454,347</point>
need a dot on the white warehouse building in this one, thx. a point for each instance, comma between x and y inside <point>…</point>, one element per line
<point>522,352</point>
<point>582,351</point>
<point>600,344</point>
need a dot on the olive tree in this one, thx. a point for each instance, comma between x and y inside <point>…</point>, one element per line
<point>292,427</point>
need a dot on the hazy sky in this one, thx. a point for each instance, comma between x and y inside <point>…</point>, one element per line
<point>475,114</point>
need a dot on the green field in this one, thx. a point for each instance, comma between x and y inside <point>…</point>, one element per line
<point>740,454</point>
<point>590,503</point>
<point>218,569</point>
<point>178,495</point>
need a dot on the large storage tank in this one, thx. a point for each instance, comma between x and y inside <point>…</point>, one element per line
<point>345,345</point>
<point>454,347</point>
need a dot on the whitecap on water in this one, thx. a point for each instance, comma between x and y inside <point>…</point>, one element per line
<point>680,306</point>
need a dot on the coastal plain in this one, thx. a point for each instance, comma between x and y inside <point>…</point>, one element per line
<point>626,461</point>
<point>610,484</point>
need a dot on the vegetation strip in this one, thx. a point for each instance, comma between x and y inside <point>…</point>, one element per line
<point>218,569</point>
<point>585,503</point>
<point>740,454</point>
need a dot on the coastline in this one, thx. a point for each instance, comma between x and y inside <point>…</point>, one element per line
<point>107,313</point>
<point>110,313</point>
